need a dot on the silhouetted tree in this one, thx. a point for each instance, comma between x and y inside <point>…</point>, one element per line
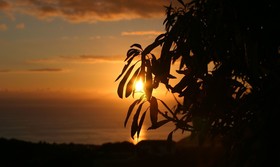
<point>229,59</point>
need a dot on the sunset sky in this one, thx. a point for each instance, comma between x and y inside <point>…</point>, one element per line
<point>69,49</point>
<point>71,44</point>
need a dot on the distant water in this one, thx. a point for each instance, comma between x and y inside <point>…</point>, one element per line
<point>85,121</point>
<point>78,135</point>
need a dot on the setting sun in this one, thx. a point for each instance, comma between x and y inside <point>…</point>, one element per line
<point>139,86</point>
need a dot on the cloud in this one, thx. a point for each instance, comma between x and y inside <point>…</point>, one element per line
<point>78,59</point>
<point>4,70</point>
<point>53,70</point>
<point>46,70</point>
<point>42,61</point>
<point>141,33</point>
<point>4,5</point>
<point>93,59</point>
<point>20,26</point>
<point>3,27</point>
<point>89,10</point>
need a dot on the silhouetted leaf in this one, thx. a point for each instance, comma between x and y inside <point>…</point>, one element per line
<point>170,136</point>
<point>130,109</point>
<point>181,2</point>
<point>153,110</point>
<point>160,37</point>
<point>134,128</point>
<point>137,45</point>
<point>149,81</point>
<point>123,81</point>
<point>124,68</point>
<point>141,123</point>
<point>152,46</point>
<point>182,84</point>
<point>130,84</point>
<point>134,125</point>
<point>158,124</point>
<point>171,76</point>
<point>133,53</point>
<point>166,106</point>
<point>240,92</point>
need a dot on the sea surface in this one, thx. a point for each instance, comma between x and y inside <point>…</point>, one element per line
<point>68,120</point>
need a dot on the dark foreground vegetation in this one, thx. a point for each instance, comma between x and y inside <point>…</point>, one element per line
<point>227,56</point>
<point>146,153</point>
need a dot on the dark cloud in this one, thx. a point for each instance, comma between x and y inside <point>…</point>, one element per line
<point>90,10</point>
<point>4,5</point>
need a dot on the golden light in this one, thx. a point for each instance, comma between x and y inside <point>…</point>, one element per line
<point>139,86</point>
<point>142,136</point>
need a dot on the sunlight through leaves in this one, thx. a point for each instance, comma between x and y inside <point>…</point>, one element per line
<point>139,86</point>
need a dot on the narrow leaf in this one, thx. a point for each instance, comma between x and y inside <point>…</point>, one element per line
<point>134,128</point>
<point>182,84</point>
<point>160,37</point>
<point>132,52</point>
<point>159,124</point>
<point>149,81</point>
<point>123,81</point>
<point>153,110</point>
<point>130,109</point>
<point>124,69</point>
<point>181,2</point>
<point>141,123</point>
<point>134,125</point>
<point>137,45</point>
<point>170,136</point>
<point>166,106</point>
<point>171,76</point>
<point>130,85</point>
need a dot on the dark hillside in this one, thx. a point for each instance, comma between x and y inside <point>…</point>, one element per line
<point>146,153</point>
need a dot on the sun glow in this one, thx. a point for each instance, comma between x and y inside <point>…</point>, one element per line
<point>139,86</point>
<point>142,136</point>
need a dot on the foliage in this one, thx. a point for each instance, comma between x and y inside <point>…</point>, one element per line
<point>240,40</point>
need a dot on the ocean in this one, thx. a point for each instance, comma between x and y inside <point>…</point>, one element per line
<point>71,120</point>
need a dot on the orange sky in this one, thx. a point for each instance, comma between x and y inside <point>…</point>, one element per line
<point>74,49</point>
<point>75,45</point>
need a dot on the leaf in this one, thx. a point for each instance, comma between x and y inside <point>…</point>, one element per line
<point>160,37</point>
<point>132,52</point>
<point>134,125</point>
<point>134,128</point>
<point>181,2</point>
<point>129,87</point>
<point>123,81</point>
<point>149,82</point>
<point>153,110</point>
<point>170,136</point>
<point>166,106</point>
<point>158,124</point>
<point>182,84</point>
<point>137,45</point>
<point>185,72</point>
<point>141,123</point>
<point>124,69</point>
<point>130,109</point>
<point>171,76</point>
